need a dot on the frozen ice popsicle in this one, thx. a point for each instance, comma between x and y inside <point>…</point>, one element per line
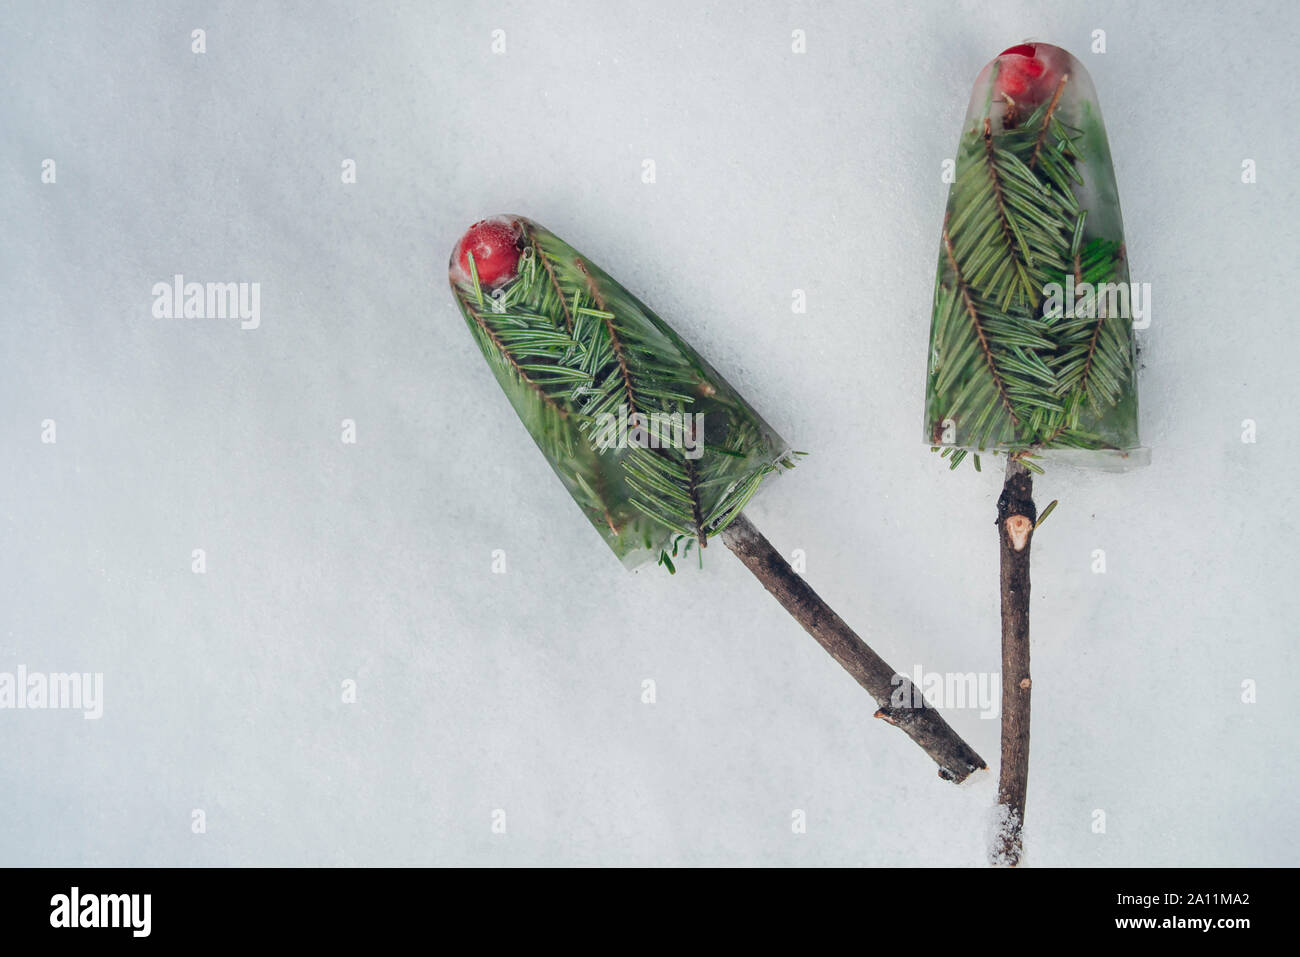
<point>1031,336</point>
<point>657,449</point>
<point>660,453</point>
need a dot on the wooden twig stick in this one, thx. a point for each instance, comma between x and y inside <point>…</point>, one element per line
<point>1015,522</point>
<point>957,760</point>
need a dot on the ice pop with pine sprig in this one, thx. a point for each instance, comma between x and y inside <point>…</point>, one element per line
<point>1032,349</point>
<point>660,453</point>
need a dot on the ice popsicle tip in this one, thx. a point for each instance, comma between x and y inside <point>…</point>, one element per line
<point>494,245</point>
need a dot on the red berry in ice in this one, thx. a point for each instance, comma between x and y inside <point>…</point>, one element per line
<point>1023,76</point>
<point>494,244</point>
<point>1020,49</point>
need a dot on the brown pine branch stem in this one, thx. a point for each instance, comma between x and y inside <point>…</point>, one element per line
<point>550,272</point>
<point>1004,216</point>
<point>1015,522</point>
<point>969,302</point>
<point>519,371</point>
<point>1047,120</point>
<point>901,704</point>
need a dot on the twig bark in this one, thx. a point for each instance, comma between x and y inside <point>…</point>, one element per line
<point>1015,522</point>
<point>901,704</point>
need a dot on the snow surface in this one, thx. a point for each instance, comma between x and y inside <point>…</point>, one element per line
<point>373,562</point>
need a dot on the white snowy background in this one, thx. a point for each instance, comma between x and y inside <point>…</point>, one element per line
<point>372,562</point>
